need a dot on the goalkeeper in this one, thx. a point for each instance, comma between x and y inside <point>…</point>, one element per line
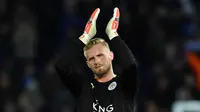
<point>87,71</point>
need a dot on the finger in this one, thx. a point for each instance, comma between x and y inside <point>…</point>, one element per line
<point>92,19</point>
<point>95,14</point>
<point>115,19</point>
<point>116,13</point>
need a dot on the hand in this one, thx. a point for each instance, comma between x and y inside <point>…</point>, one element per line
<point>112,26</point>
<point>90,28</point>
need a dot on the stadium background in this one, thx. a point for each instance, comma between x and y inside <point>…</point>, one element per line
<point>164,36</point>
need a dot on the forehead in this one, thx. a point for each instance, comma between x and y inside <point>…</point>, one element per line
<point>96,49</point>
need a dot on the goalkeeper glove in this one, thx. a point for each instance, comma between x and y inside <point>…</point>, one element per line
<point>90,28</point>
<point>112,26</point>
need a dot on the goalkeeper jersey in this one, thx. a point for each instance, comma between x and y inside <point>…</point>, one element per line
<point>116,95</point>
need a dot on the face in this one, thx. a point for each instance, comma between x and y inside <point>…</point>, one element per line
<point>99,59</point>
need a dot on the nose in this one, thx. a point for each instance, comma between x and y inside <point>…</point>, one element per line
<point>97,61</point>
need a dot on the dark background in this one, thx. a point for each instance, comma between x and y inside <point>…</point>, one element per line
<point>33,33</point>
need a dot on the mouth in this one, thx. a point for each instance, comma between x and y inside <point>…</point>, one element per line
<point>98,67</point>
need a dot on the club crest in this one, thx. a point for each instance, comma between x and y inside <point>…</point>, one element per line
<point>112,86</point>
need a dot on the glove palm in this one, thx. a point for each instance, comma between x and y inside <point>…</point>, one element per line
<point>113,24</point>
<point>90,28</point>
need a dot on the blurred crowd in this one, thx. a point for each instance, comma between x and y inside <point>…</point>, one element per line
<point>164,36</point>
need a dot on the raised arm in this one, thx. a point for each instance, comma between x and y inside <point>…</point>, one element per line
<point>123,55</point>
<point>67,69</point>
<point>70,65</point>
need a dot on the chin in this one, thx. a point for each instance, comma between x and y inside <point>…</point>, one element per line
<point>100,74</point>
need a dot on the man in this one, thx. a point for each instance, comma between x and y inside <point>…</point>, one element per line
<point>94,84</point>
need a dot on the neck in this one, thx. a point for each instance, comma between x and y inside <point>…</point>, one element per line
<point>107,77</point>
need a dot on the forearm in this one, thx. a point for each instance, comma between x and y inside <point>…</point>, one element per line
<point>129,77</point>
<point>67,67</point>
<point>73,51</point>
<point>122,52</point>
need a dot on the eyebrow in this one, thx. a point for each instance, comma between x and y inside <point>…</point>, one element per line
<point>90,58</point>
<point>96,55</point>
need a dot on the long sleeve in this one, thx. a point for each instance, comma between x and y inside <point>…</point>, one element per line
<point>127,62</point>
<point>70,66</point>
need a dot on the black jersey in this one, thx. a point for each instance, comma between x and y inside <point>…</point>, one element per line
<point>116,95</point>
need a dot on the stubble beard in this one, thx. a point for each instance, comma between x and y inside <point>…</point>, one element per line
<point>102,72</point>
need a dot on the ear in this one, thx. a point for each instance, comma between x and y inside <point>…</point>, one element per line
<point>111,55</point>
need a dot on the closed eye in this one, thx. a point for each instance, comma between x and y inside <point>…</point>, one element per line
<point>91,58</point>
<point>100,55</point>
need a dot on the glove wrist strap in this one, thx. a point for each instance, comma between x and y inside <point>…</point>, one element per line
<point>113,34</point>
<point>85,38</point>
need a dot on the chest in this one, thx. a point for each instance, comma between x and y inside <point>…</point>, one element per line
<point>105,96</point>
